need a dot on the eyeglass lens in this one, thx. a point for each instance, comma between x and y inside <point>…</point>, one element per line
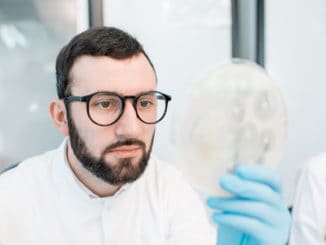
<point>104,108</point>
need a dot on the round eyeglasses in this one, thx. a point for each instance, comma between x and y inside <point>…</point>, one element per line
<point>105,108</point>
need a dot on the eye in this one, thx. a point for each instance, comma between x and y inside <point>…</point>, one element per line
<point>145,103</point>
<point>107,105</point>
<point>104,104</point>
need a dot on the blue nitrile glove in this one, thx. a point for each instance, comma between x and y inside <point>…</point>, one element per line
<point>256,213</point>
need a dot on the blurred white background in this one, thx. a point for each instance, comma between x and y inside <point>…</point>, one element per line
<point>31,34</point>
<point>295,57</point>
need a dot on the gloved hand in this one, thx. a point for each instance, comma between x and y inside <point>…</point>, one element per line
<point>256,213</point>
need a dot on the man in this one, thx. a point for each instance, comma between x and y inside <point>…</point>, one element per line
<point>102,186</point>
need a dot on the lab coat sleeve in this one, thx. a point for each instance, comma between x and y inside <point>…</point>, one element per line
<point>309,220</point>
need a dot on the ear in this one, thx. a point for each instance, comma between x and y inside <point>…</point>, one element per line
<point>59,116</point>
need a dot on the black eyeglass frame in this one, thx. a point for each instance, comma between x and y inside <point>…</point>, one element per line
<point>87,98</point>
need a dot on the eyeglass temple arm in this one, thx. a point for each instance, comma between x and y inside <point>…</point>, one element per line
<point>75,98</point>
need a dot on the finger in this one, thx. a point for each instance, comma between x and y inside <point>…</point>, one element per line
<point>247,225</point>
<point>254,209</point>
<point>250,190</point>
<point>261,174</point>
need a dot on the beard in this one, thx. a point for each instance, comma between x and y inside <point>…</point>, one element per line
<point>121,172</point>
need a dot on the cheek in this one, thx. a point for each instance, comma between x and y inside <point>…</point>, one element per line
<point>148,133</point>
<point>97,139</point>
<point>93,136</point>
<point>78,114</point>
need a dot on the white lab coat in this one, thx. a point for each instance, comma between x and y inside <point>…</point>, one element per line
<point>309,207</point>
<point>42,203</point>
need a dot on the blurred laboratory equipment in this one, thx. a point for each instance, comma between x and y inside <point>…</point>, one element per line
<point>235,114</point>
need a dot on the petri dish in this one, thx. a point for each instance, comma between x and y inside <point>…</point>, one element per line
<point>235,114</point>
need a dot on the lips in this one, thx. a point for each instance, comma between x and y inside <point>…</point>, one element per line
<point>125,151</point>
<point>125,148</point>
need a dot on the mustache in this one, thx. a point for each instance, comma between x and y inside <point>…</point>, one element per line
<point>125,142</point>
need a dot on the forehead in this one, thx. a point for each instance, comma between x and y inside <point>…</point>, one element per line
<point>132,75</point>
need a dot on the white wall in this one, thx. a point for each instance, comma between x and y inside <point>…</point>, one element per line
<point>182,38</point>
<point>295,57</point>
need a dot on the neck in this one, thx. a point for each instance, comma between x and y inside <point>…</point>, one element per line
<point>93,183</point>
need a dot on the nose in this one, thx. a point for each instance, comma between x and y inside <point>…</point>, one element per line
<point>128,125</point>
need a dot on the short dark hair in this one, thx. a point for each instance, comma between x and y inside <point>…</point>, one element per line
<point>97,41</point>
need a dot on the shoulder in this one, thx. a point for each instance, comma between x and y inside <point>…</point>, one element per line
<point>17,180</point>
<point>172,186</point>
<point>163,167</point>
<point>182,205</point>
<point>22,186</point>
<point>165,173</point>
